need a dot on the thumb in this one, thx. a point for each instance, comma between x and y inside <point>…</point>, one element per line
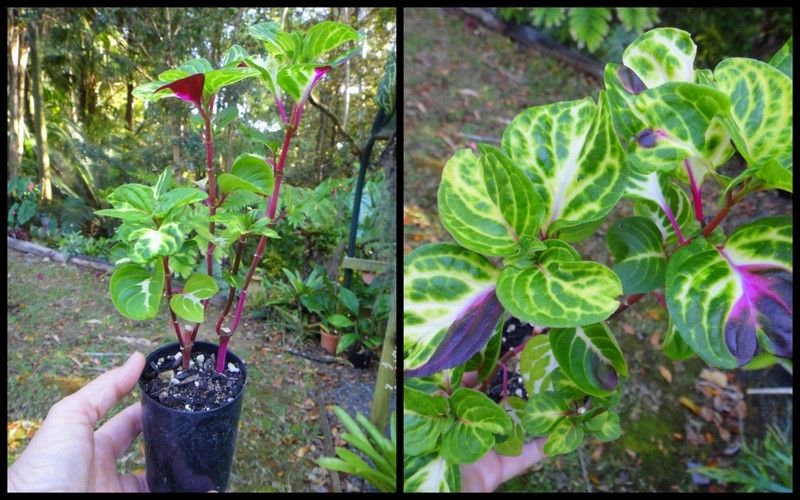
<point>98,396</point>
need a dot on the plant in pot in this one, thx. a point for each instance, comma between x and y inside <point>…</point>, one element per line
<point>192,391</point>
<point>333,312</point>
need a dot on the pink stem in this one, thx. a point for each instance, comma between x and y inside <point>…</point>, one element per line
<point>696,198</point>
<point>674,223</point>
<point>222,353</point>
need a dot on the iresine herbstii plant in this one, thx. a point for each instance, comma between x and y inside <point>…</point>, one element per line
<point>165,225</point>
<point>659,129</point>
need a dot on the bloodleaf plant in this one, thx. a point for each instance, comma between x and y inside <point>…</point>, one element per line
<point>166,226</point>
<point>658,131</point>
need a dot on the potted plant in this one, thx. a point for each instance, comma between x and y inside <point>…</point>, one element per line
<point>191,391</point>
<point>332,310</point>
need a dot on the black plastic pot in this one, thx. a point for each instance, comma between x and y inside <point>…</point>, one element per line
<point>185,450</point>
<point>359,355</point>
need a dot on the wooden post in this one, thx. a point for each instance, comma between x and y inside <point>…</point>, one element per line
<point>387,371</point>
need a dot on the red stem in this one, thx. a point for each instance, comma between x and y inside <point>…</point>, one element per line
<point>234,270</point>
<point>696,197</point>
<point>222,353</point>
<point>168,288</point>
<point>730,202</point>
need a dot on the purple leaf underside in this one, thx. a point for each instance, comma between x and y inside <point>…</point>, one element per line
<point>189,88</point>
<point>605,374</point>
<point>766,302</point>
<point>466,336</point>
<point>630,81</point>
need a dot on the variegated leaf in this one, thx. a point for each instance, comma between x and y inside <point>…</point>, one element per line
<point>639,254</point>
<point>188,305</point>
<point>165,240</point>
<point>559,293</point>
<point>133,196</point>
<point>622,85</point>
<point>677,117</point>
<point>536,365</point>
<point>719,297</point>
<point>544,411</point>
<point>512,444</point>
<point>430,473</point>
<point>571,153</point>
<point>761,110</point>
<point>249,173</point>
<point>590,356</point>
<point>425,418</point>
<point>674,346</point>
<point>478,419</point>
<point>655,194</point>
<point>487,204</point>
<point>233,56</point>
<point>604,426</point>
<point>136,292</point>
<point>662,55</point>
<point>564,438</point>
<point>783,58</point>
<point>324,37</point>
<point>442,282</point>
<point>298,79</point>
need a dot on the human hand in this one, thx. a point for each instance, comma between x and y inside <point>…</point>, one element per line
<point>67,454</point>
<point>493,469</point>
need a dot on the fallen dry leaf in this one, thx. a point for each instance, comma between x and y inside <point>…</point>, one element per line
<point>715,376</point>
<point>655,340</point>
<point>597,453</point>
<point>665,373</point>
<point>677,435</point>
<point>707,413</point>
<point>654,313</point>
<point>277,382</point>
<point>628,329</point>
<point>688,403</point>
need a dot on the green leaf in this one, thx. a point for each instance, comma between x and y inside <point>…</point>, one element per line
<point>760,122</point>
<point>637,19</point>
<point>430,473</point>
<point>558,292</point>
<point>162,184</point>
<point>589,26</point>
<point>178,197</point>
<point>124,213</point>
<point>719,297</point>
<point>590,356</point>
<point>605,426</point>
<point>543,412</point>
<point>339,321</point>
<point>295,79</point>
<point>385,97</point>
<point>136,292</point>
<point>487,204</point>
<point>226,116</point>
<point>275,39</point>
<point>188,305</point>
<point>249,173</point>
<point>425,417</point>
<point>639,254</point>
<point>662,55</point>
<point>324,37</point>
<point>349,299</point>
<point>233,56</point>
<point>571,154</point>
<point>257,136</point>
<point>165,240</point>
<point>218,78</point>
<point>194,66</point>
<point>783,58</point>
<point>439,282</point>
<point>261,227</point>
<point>548,17</point>
<point>677,117</point>
<point>674,346</point>
<point>346,341</point>
<point>536,365</point>
<point>133,196</point>
<point>478,419</point>
<point>512,445</point>
<point>564,438</point>
<point>268,68</point>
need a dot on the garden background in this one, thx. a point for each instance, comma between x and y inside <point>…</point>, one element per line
<point>76,132</point>
<point>463,82</point>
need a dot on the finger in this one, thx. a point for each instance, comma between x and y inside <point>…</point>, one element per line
<point>98,396</point>
<point>532,453</point>
<point>122,429</point>
<point>134,483</point>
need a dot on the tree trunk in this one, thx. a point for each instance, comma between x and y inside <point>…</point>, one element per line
<point>346,84</point>
<point>18,59</point>
<point>129,106</point>
<point>40,126</point>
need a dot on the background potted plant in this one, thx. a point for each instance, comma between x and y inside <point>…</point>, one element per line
<point>334,320</point>
<point>192,391</point>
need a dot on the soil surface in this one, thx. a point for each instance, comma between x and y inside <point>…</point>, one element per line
<point>199,388</point>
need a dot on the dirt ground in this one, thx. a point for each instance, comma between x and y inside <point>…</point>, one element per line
<point>464,84</point>
<point>63,331</point>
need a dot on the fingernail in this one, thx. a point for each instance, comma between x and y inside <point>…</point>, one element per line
<point>131,357</point>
